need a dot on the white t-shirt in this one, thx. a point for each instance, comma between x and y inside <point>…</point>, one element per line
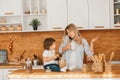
<point>49,53</point>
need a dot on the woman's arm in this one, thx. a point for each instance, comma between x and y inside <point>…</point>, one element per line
<point>92,47</point>
<point>65,45</point>
<point>92,43</point>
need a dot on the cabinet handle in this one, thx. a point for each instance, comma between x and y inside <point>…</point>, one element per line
<point>99,26</point>
<point>116,26</point>
<point>79,27</point>
<point>57,27</point>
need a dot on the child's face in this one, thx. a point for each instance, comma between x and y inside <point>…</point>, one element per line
<point>71,33</point>
<point>53,46</point>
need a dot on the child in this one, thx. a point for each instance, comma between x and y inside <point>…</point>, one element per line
<point>49,56</point>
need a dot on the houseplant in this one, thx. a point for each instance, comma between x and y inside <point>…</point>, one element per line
<point>35,23</point>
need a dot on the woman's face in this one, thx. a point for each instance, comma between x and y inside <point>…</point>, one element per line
<point>71,34</point>
<point>53,46</point>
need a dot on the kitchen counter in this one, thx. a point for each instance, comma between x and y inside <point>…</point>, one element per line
<point>6,66</point>
<point>5,69</point>
<point>41,74</point>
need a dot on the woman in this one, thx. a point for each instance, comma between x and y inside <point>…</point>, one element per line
<point>73,47</point>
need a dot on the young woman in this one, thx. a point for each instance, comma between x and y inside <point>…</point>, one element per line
<point>49,56</point>
<point>73,47</point>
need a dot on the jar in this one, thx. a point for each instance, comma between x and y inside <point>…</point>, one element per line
<point>3,28</point>
<point>11,28</point>
<point>48,69</point>
<point>19,28</point>
<point>28,66</point>
<point>117,11</point>
<point>35,61</point>
<point>84,68</point>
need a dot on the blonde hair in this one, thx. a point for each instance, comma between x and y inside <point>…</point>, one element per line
<point>72,27</point>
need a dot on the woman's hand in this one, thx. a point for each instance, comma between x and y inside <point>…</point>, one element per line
<point>67,47</point>
<point>92,42</point>
<point>94,39</point>
<point>88,59</point>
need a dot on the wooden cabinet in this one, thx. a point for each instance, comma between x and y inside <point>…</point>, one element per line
<point>1,74</point>
<point>85,14</point>
<point>78,13</point>
<point>99,14</point>
<point>4,73</point>
<point>57,14</point>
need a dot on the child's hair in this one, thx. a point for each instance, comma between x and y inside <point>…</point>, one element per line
<point>48,42</point>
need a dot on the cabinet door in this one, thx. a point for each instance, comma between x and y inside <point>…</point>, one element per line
<point>99,14</point>
<point>78,13</point>
<point>57,14</point>
<point>1,74</point>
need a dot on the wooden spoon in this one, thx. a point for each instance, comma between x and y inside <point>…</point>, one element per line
<point>111,56</point>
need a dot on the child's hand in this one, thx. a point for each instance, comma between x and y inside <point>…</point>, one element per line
<point>55,56</point>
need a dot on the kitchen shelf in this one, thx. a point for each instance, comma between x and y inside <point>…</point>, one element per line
<point>117,15</point>
<point>117,2</point>
<point>40,14</point>
<point>10,15</point>
<point>10,23</point>
<point>117,24</point>
<point>23,13</point>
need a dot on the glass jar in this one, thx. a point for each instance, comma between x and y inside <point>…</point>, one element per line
<point>28,66</point>
<point>35,61</point>
<point>84,68</point>
<point>11,28</point>
<point>19,28</point>
<point>48,69</point>
<point>3,28</point>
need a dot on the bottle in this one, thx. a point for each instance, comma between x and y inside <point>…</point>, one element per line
<point>28,66</point>
<point>35,61</point>
<point>48,69</point>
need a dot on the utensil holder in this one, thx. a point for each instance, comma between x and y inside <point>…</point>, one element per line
<point>98,67</point>
<point>108,67</point>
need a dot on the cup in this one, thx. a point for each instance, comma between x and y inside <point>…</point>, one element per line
<point>108,67</point>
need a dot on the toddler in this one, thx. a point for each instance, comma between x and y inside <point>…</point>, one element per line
<point>49,56</point>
